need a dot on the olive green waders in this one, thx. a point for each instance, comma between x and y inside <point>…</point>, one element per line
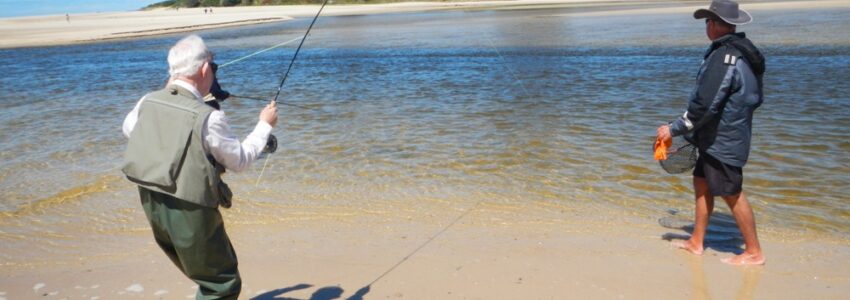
<point>193,237</point>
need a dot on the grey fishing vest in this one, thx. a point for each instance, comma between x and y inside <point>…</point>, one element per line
<point>166,151</point>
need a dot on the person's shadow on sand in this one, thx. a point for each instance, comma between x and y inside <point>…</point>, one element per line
<point>722,234</point>
<point>325,293</point>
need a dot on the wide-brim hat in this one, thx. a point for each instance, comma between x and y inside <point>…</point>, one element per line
<point>725,10</point>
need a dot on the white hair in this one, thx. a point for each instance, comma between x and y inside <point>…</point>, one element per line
<point>187,56</point>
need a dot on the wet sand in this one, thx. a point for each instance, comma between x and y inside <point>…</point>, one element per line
<point>457,249</point>
<point>493,252</point>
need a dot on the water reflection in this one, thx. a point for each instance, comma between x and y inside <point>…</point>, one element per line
<point>750,277</point>
<point>406,108</point>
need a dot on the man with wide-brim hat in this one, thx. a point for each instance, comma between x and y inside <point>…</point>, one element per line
<point>719,122</point>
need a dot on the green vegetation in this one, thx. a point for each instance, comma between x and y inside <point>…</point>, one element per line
<point>216,3</point>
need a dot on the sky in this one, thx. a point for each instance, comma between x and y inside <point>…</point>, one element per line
<point>19,8</point>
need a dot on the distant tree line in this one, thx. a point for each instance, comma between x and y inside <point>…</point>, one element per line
<point>206,3</point>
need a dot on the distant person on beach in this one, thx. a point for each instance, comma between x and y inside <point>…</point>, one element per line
<point>719,122</point>
<point>178,147</point>
<point>68,18</point>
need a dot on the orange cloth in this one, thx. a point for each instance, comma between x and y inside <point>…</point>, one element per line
<point>661,148</point>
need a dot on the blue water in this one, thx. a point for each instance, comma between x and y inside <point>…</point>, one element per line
<point>521,106</point>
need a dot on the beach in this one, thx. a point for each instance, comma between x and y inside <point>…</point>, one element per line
<point>494,252</point>
<point>92,27</point>
<point>438,151</point>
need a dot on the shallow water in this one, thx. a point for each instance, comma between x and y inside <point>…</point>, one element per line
<point>510,107</point>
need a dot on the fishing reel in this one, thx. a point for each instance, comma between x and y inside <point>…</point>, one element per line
<point>271,144</point>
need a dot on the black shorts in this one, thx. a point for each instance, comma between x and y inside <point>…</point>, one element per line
<point>723,179</point>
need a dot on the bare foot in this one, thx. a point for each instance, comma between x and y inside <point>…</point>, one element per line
<point>744,259</point>
<point>688,246</point>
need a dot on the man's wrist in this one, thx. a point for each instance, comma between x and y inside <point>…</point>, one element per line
<point>263,128</point>
<point>673,128</point>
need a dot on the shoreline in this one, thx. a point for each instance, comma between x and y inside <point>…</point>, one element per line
<point>54,30</point>
<point>156,32</point>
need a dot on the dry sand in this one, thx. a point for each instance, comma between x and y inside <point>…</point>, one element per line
<point>82,28</point>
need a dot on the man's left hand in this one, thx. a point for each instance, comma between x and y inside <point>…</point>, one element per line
<point>663,133</point>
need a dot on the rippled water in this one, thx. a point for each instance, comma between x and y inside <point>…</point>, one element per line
<point>512,107</point>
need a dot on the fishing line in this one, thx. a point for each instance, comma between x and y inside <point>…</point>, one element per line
<point>256,53</point>
<point>285,75</point>
<point>425,244</point>
<point>504,61</point>
<point>474,207</point>
<point>507,66</point>
<point>252,55</point>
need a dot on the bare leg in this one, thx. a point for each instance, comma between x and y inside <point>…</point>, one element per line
<point>704,206</point>
<point>747,224</point>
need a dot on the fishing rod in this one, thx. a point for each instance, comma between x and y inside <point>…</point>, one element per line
<point>220,95</point>
<point>297,50</point>
<point>280,87</point>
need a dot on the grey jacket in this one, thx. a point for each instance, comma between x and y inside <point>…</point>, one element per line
<point>720,109</point>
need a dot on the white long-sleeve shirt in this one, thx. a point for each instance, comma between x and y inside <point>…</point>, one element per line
<point>218,139</point>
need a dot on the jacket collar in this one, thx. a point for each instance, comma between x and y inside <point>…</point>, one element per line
<point>722,40</point>
<point>727,37</point>
<point>184,89</point>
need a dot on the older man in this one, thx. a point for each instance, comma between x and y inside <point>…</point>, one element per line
<point>178,147</point>
<point>719,117</point>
